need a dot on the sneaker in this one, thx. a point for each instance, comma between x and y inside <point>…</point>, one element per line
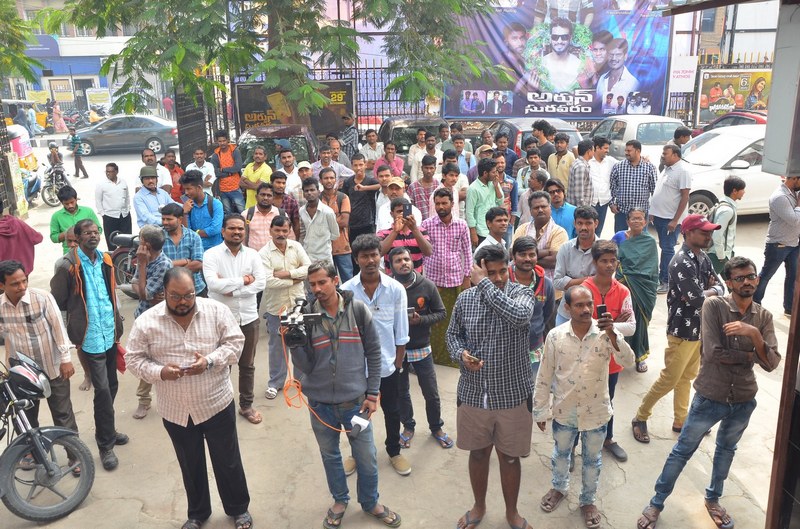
<point>663,288</point>
<point>787,313</point>
<point>401,465</point>
<point>121,439</point>
<point>616,451</point>
<point>109,459</point>
<point>349,466</point>
<point>141,411</point>
<point>271,393</point>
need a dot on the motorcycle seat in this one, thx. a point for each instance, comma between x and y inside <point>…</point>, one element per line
<point>124,240</point>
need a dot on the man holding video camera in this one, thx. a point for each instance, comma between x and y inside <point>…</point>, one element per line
<point>341,341</point>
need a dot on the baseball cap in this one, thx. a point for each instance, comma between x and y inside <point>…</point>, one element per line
<point>147,171</point>
<point>483,148</point>
<point>698,222</point>
<point>397,181</point>
<point>304,165</point>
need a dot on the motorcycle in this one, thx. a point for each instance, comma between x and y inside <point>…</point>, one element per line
<point>55,177</point>
<point>46,472</point>
<point>124,260</point>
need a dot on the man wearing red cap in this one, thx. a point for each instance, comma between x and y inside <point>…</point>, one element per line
<point>691,281</point>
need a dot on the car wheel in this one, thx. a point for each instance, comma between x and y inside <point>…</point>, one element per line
<point>700,204</point>
<point>155,144</point>
<point>87,148</point>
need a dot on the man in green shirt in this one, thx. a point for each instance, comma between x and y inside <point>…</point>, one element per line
<point>66,218</point>
<point>483,194</point>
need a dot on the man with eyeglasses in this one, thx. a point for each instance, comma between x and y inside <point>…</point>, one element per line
<point>563,212</point>
<point>195,394</point>
<point>737,334</point>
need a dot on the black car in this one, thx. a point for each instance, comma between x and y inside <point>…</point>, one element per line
<point>129,133</point>
<point>520,129</point>
<point>402,130</point>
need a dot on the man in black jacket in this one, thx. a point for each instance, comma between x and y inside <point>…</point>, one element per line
<point>425,308</point>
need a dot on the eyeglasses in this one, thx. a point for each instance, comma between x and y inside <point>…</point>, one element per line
<point>565,38</point>
<point>185,297</point>
<point>554,191</point>
<point>741,279</point>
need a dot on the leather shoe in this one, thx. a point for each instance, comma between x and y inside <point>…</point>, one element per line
<point>141,411</point>
<point>109,459</point>
<point>121,439</point>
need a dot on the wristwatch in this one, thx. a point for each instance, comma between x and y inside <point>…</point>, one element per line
<point>209,363</point>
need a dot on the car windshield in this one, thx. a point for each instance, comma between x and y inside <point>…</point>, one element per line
<point>574,137</point>
<point>656,133</point>
<point>711,148</point>
<point>405,137</point>
<point>297,144</point>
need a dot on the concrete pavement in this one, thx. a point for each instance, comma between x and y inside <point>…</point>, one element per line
<point>287,482</point>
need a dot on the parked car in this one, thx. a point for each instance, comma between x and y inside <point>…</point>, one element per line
<point>652,131</point>
<point>129,133</point>
<point>520,129</point>
<point>402,130</point>
<point>727,151</point>
<point>299,138</point>
<point>736,117</point>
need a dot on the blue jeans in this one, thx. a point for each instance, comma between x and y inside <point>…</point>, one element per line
<point>344,264</point>
<point>508,235</point>
<point>667,242</point>
<point>601,218</point>
<point>591,450</point>
<point>620,221</point>
<point>363,450</point>
<point>277,362</point>
<point>232,201</point>
<point>426,376</point>
<point>704,414</point>
<point>774,256</point>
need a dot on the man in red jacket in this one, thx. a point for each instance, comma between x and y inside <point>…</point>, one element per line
<point>17,239</point>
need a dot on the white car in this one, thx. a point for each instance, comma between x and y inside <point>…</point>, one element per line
<point>730,151</point>
<point>652,131</point>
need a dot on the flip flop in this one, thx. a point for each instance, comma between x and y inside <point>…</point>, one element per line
<point>469,523</point>
<point>387,517</point>
<point>335,519</point>
<point>551,500</point>
<point>252,415</point>
<point>444,440</point>
<point>641,435</point>
<point>243,521</point>
<point>405,438</point>
<point>191,523</point>
<point>525,525</point>
<point>591,516</point>
<point>718,515</point>
<point>649,518</point>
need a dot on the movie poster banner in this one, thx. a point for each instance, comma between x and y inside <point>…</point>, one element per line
<point>574,59</point>
<point>722,91</point>
<point>258,107</point>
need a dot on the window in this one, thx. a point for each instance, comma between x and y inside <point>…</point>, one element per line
<point>753,154</point>
<point>708,19</point>
<point>83,32</point>
<point>30,15</point>
<point>603,129</point>
<point>618,131</point>
<point>655,133</point>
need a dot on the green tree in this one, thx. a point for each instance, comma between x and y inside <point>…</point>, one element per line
<point>184,40</point>
<point>15,34</point>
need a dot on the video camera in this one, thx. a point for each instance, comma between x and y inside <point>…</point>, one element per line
<point>296,321</point>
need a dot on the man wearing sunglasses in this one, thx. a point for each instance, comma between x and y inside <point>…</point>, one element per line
<point>737,334</point>
<point>562,65</point>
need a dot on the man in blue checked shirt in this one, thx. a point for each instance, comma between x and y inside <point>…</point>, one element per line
<point>183,246</point>
<point>488,336</point>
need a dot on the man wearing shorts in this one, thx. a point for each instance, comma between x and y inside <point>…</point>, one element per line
<point>488,336</point>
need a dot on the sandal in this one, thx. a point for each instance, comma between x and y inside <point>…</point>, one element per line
<point>641,367</point>
<point>469,523</point>
<point>387,516</point>
<point>333,519</point>
<point>243,521</point>
<point>640,431</point>
<point>720,516</point>
<point>525,525</point>
<point>551,500</point>
<point>406,437</point>
<point>648,518</point>
<point>252,415</point>
<point>191,523</point>
<point>444,440</point>
<point>75,468</point>
<point>591,516</point>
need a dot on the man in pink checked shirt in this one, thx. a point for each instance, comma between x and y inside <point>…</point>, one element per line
<point>390,159</point>
<point>449,265</point>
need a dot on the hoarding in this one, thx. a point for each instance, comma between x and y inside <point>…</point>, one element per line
<point>257,107</point>
<point>575,59</point>
<point>722,91</point>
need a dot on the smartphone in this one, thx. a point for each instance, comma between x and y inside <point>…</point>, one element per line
<point>410,311</point>
<point>407,211</point>
<point>185,369</point>
<point>601,309</point>
<point>473,359</point>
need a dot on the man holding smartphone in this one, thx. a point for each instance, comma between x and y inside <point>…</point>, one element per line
<point>488,337</point>
<point>405,233</point>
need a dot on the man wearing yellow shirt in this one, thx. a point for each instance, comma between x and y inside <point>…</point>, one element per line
<point>256,172</point>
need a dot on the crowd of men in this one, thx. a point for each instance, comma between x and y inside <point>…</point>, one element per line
<point>481,260</point>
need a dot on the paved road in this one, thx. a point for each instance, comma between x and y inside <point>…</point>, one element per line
<point>285,474</point>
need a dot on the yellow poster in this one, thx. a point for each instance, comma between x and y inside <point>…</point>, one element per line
<point>98,96</point>
<point>39,96</point>
<point>722,91</point>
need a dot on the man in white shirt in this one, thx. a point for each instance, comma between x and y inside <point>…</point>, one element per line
<point>497,222</point>
<point>395,189</point>
<point>318,226</point>
<point>164,177</point>
<point>286,265</point>
<point>372,150</point>
<point>326,160</point>
<point>199,164</point>
<point>668,207</point>
<point>234,275</point>
<point>112,200</point>
<point>430,149</point>
<point>600,171</point>
<point>574,369</point>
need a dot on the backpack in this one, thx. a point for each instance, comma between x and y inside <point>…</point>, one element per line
<point>249,214</point>
<point>712,213</point>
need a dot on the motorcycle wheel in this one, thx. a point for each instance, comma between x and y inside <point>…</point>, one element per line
<point>50,195</point>
<point>124,269</point>
<point>35,496</point>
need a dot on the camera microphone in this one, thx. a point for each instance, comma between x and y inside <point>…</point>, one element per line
<point>359,422</point>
